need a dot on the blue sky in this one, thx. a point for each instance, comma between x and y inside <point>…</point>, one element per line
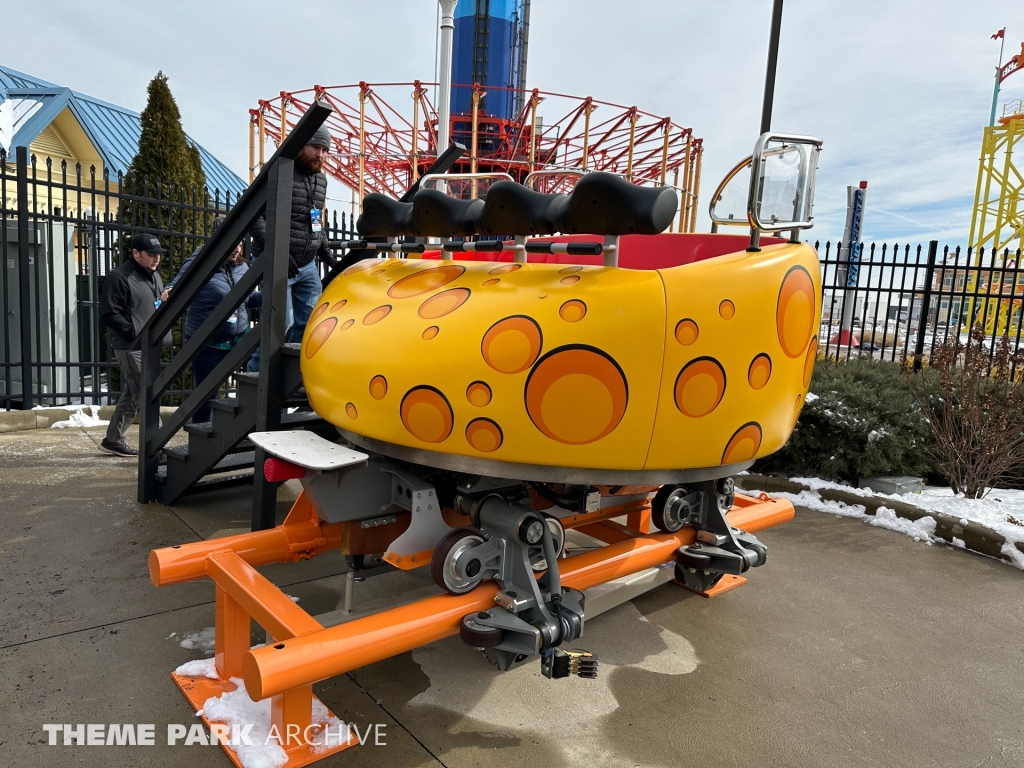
<point>898,89</point>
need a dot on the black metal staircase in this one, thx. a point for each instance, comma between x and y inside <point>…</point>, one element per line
<point>218,452</point>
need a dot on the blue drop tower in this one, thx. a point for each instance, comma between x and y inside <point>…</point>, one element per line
<point>489,48</point>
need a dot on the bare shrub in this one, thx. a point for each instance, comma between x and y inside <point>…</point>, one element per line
<point>977,417</point>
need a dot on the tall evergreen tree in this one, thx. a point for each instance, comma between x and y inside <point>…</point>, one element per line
<point>167,173</point>
<point>164,151</point>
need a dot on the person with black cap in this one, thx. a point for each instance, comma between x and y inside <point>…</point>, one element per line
<point>130,297</point>
<point>307,241</point>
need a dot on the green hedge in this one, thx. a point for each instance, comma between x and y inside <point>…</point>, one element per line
<point>861,420</point>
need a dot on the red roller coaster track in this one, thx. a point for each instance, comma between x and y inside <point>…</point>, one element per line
<point>382,146</point>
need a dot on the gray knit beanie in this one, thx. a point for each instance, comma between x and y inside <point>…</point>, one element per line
<point>322,138</point>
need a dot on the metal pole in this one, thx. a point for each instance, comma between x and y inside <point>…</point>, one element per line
<point>995,92</point>
<point>262,134</point>
<point>587,109</point>
<point>24,285</point>
<point>362,146</point>
<point>675,185</point>
<point>664,153</point>
<point>922,322</point>
<point>533,128</point>
<point>696,189</point>
<point>252,150</point>
<point>773,60</point>
<point>284,115</point>
<point>350,582</point>
<point>472,149</point>
<point>684,202</point>
<point>416,96</point>
<point>632,137</point>
<point>524,48</point>
<point>444,104</point>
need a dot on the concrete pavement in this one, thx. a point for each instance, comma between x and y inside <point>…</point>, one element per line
<point>852,646</point>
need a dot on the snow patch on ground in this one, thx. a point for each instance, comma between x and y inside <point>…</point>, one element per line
<point>81,416</point>
<point>918,530</point>
<point>992,511</point>
<point>199,668</point>
<point>204,640</point>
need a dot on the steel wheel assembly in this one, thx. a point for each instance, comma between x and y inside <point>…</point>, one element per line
<point>444,565</point>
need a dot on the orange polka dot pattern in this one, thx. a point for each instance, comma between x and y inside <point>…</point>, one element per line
<point>511,345</point>
<point>700,387</point>
<point>427,414</point>
<point>576,395</point>
<point>795,312</point>
<point>484,435</point>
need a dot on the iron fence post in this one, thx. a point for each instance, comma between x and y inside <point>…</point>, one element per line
<point>24,284</point>
<point>922,322</point>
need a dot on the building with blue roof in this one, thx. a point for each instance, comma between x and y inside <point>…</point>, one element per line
<point>63,124</point>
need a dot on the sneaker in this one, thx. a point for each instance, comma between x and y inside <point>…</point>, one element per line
<point>117,449</point>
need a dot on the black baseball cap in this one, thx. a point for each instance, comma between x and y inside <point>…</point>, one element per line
<point>147,243</point>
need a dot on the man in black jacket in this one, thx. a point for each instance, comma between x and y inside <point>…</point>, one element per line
<point>307,239</point>
<point>130,297</point>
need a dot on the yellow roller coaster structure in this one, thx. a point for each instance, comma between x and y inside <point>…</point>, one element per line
<point>997,224</point>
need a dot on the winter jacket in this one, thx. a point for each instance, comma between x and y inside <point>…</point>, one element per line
<point>130,297</point>
<point>211,294</point>
<point>309,191</point>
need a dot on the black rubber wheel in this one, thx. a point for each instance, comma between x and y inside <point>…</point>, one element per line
<point>477,635</point>
<point>687,558</point>
<point>445,552</point>
<point>658,504</point>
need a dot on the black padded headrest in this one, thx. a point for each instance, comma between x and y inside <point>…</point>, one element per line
<point>383,216</point>
<point>512,209</point>
<point>436,214</point>
<point>606,204</point>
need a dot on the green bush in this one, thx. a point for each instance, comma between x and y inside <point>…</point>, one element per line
<point>861,420</point>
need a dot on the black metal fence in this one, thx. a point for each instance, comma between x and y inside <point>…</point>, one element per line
<point>896,301</point>
<point>62,230</point>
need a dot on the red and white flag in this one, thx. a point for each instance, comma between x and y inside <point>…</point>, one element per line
<point>999,35</point>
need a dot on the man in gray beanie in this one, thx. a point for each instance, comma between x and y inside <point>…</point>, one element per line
<point>307,239</point>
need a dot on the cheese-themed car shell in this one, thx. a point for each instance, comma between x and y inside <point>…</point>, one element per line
<point>586,367</point>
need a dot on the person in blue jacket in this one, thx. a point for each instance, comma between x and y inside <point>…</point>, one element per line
<point>231,331</point>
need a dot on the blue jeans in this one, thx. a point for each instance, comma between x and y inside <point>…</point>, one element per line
<point>303,291</point>
<point>202,366</point>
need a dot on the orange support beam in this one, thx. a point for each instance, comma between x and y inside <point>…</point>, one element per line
<point>258,597</point>
<point>304,660</point>
<point>231,635</point>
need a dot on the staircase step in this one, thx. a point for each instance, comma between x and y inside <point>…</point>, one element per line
<point>291,349</point>
<point>228,404</point>
<point>234,461</point>
<point>221,481</point>
<point>204,430</point>
<point>177,452</point>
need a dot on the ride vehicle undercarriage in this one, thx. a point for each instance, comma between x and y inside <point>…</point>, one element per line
<point>489,403</point>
